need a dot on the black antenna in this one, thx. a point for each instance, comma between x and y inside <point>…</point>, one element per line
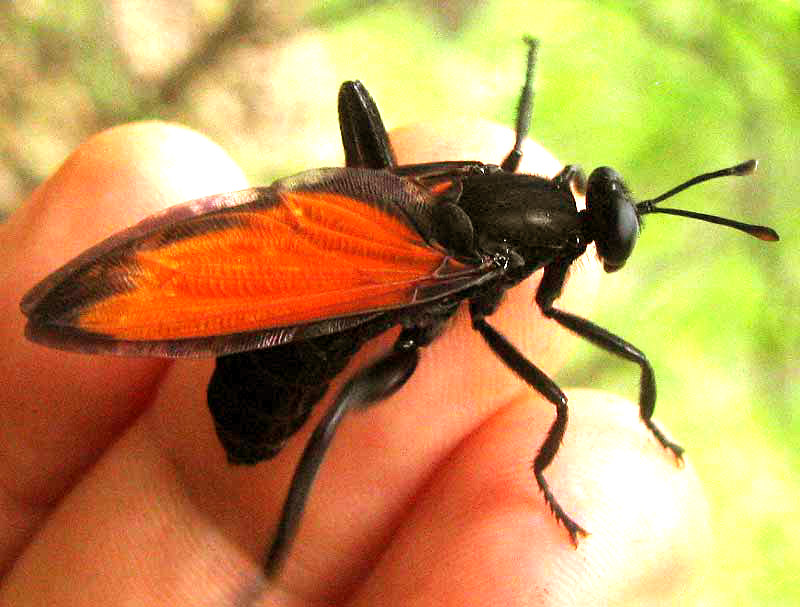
<point>745,168</point>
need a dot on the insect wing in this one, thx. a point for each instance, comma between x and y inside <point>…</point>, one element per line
<point>325,249</point>
<point>364,137</point>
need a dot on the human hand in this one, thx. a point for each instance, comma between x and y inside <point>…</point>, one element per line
<point>116,491</point>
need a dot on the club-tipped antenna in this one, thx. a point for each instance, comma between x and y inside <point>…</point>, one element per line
<point>745,168</point>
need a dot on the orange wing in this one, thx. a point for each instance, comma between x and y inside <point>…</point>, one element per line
<point>228,272</point>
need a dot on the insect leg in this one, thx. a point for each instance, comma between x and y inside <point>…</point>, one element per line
<point>370,385</point>
<point>570,175</point>
<point>545,386</point>
<point>364,137</point>
<point>549,289</point>
<point>524,109</point>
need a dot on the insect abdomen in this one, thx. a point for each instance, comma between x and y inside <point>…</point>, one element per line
<point>260,398</point>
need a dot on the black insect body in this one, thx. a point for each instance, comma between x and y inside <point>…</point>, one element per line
<point>455,230</point>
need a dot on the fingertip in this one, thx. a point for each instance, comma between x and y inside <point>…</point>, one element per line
<point>648,519</point>
<point>482,518</point>
<point>120,176</point>
<point>113,180</point>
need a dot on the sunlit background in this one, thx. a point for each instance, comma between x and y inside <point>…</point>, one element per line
<point>660,91</point>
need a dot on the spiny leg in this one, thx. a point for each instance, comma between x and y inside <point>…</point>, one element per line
<point>549,289</point>
<point>545,386</point>
<point>370,385</point>
<point>619,347</point>
<point>524,109</point>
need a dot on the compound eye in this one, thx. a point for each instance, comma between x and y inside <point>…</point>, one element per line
<point>613,217</point>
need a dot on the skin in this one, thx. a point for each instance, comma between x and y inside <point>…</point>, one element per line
<point>114,489</point>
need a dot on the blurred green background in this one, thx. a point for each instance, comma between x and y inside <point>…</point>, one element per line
<point>660,91</point>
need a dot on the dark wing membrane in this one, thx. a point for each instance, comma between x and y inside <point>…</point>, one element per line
<point>309,255</point>
<point>364,137</point>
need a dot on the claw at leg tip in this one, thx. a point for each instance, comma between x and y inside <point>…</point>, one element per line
<point>576,535</point>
